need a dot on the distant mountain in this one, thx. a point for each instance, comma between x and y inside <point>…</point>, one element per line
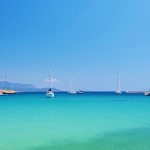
<point>23,87</point>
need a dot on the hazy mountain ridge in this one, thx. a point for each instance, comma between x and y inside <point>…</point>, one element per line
<point>23,87</point>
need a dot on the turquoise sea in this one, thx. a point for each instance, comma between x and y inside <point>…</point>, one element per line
<point>90,121</point>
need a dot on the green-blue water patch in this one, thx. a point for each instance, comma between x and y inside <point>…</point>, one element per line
<point>29,121</point>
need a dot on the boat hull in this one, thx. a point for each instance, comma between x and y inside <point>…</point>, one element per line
<point>118,92</point>
<point>9,92</point>
<point>72,92</point>
<point>147,93</point>
<point>80,92</point>
<point>50,94</point>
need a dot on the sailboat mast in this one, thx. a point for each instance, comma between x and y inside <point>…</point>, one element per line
<point>78,85</point>
<point>5,82</point>
<point>12,86</point>
<point>50,77</point>
<point>71,85</point>
<point>50,92</point>
<point>119,89</point>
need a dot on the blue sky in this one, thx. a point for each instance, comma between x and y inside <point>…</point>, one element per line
<point>88,40</point>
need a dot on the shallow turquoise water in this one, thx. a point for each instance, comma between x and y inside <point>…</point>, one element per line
<point>70,122</point>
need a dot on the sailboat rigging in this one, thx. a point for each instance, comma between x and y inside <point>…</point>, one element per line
<point>50,92</point>
<point>119,87</point>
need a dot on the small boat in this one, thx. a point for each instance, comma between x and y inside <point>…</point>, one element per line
<point>79,90</point>
<point>50,92</point>
<point>71,89</point>
<point>11,91</point>
<point>72,92</point>
<point>119,89</point>
<point>118,92</point>
<point>147,93</point>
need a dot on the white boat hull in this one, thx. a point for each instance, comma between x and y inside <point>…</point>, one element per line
<point>147,93</point>
<point>72,92</point>
<point>50,94</point>
<point>118,92</point>
<point>80,92</point>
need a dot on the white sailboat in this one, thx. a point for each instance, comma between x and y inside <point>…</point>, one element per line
<point>6,91</point>
<point>119,88</point>
<point>147,93</point>
<point>79,90</point>
<point>71,88</point>
<point>50,92</point>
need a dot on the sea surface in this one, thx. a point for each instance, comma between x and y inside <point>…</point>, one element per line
<point>90,121</point>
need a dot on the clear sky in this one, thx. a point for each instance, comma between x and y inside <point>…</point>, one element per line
<point>89,40</point>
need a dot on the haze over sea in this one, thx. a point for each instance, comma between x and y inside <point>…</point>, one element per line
<point>98,121</point>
